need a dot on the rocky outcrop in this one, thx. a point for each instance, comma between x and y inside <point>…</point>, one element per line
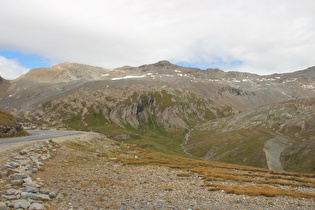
<point>10,130</point>
<point>148,109</point>
<point>9,126</point>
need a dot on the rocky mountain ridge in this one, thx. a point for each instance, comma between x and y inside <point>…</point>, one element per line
<point>155,105</point>
<point>241,90</point>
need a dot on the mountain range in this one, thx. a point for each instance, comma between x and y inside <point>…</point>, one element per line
<point>265,121</point>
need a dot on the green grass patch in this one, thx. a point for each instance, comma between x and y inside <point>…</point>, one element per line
<point>243,147</point>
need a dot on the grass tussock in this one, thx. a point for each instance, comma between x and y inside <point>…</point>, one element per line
<point>259,190</point>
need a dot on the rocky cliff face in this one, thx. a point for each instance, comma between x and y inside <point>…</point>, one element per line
<point>146,108</point>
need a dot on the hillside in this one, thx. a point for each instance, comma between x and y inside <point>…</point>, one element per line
<point>278,136</point>
<point>4,84</point>
<point>9,126</point>
<point>155,106</point>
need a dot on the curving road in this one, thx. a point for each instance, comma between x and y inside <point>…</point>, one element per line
<point>39,135</point>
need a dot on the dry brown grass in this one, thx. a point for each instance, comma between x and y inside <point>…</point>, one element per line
<point>258,181</point>
<point>236,179</point>
<point>6,117</point>
<point>264,190</point>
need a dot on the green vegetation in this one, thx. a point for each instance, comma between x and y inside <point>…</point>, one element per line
<point>244,146</point>
<point>151,132</point>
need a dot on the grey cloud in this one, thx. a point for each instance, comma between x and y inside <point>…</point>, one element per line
<point>267,36</point>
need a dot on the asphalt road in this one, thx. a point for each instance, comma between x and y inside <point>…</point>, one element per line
<point>39,135</point>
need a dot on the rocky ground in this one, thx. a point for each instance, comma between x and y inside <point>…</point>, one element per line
<point>86,173</point>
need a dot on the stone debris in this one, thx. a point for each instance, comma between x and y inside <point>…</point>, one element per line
<point>97,179</point>
<point>18,189</point>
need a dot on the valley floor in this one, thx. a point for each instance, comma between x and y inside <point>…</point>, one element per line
<point>94,177</point>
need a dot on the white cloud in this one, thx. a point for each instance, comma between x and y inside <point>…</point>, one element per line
<point>266,36</point>
<point>11,69</point>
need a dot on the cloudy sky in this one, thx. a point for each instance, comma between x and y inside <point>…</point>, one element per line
<point>257,36</point>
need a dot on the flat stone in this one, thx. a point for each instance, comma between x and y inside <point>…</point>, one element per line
<point>3,206</point>
<point>44,191</point>
<point>30,189</point>
<point>25,195</point>
<point>18,182</point>
<point>44,157</point>
<point>41,197</point>
<point>36,206</point>
<point>14,164</point>
<point>18,176</point>
<point>19,157</point>
<point>32,170</point>
<point>23,162</point>
<point>11,191</point>
<point>28,180</point>
<point>23,204</point>
<point>6,166</point>
<point>10,197</point>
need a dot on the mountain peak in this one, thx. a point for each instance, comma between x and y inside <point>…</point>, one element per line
<point>163,63</point>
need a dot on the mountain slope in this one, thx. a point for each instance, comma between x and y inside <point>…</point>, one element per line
<point>278,136</point>
<point>4,85</point>
<point>155,105</point>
